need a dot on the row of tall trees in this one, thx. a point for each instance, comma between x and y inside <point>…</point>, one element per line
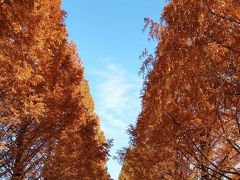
<point>189,125</point>
<point>47,123</point>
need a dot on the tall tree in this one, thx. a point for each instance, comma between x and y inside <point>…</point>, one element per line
<point>41,91</point>
<point>80,150</point>
<point>22,91</point>
<point>190,124</point>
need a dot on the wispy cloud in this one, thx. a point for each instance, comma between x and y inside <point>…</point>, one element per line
<point>109,118</point>
<point>117,97</point>
<point>114,88</point>
<point>116,92</point>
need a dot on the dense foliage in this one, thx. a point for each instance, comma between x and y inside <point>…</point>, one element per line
<point>47,125</point>
<point>189,126</point>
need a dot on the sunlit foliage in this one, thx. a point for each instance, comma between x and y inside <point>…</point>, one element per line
<point>189,126</point>
<point>47,125</point>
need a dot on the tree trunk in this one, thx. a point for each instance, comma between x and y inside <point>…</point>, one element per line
<point>18,169</point>
<point>203,146</point>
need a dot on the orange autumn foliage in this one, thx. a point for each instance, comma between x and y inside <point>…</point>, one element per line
<point>43,103</point>
<point>189,126</point>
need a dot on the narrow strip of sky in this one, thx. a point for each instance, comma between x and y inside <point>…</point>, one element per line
<point>110,40</point>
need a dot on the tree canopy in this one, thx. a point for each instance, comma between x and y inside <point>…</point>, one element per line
<point>189,126</point>
<point>48,127</point>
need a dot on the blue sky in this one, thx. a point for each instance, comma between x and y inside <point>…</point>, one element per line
<point>110,40</point>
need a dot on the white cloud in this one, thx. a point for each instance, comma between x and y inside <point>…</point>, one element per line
<point>117,97</point>
<point>115,88</point>
<point>108,117</point>
<point>107,130</point>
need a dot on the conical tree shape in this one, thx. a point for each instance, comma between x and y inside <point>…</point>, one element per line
<point>79,152</point>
